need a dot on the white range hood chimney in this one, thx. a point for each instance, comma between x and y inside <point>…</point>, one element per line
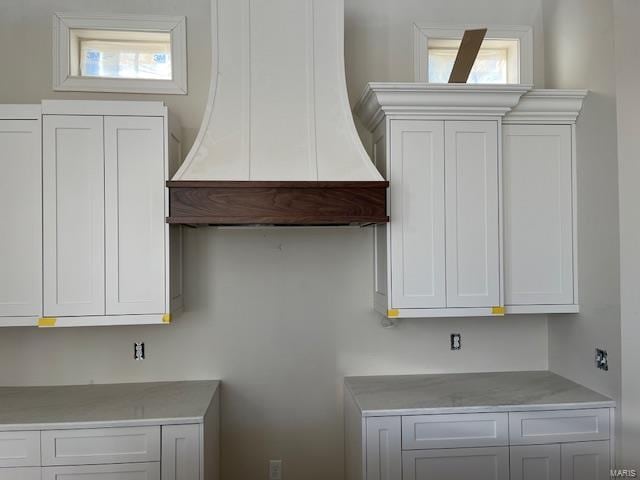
<point>278,120</point>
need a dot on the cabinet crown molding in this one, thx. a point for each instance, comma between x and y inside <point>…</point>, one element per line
<point>438,100</point>
<point>546,106</point>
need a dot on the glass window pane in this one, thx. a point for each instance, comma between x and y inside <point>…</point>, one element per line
<point>497,62</point>
<point>113,54</point>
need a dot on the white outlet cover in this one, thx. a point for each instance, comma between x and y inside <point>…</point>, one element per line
<point>275,470</point>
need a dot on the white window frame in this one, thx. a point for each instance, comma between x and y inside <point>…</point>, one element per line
<point>423,32</point>
<point>63,23</point>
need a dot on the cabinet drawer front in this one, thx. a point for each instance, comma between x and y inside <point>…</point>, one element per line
<point>456,464</point>
<point>450,431</point>
<point>19,449</point>
<point>132,471</point>
<point>96,446</point>
<point>24,473</point>
<point>559,426</point>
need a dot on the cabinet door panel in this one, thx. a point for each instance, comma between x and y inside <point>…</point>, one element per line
<point>456,464</point>
<point>384,449</point>
<point>23,473</point>
<point>135,217</point>
<point>472,214</point>
<point>73,189</point>
<point>535,462</point>
<point>417,214</point>
<point>585,460</point>
<point>538,215</point>
<point>181,452</point>
<point>21,217</point>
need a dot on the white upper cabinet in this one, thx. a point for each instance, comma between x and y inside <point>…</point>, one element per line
<point>472,209</point>
<point>482,198</point>
<point>538,215</point>
<point>21,196</point>
<point>417,207</point>
<point>73,182</point>
<point>135,220</point>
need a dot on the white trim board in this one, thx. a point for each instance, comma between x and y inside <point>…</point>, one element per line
<point>424,31</point>
<point>63,23</point>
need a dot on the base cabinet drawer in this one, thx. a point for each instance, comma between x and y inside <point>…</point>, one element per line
<point>456,464</point>
<point>101,446</point>
<point>526,428</point>
<point>132,471</point>
<point>535,462</point>
<point>585,461</point>
<point>422,432</point>
<point>19,449</point>
<point>22,473</point>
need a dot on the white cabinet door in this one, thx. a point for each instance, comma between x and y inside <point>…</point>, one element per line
<point>472,214</point>
<point>116,471</point>
<point>456,464</point>
<point>384,449</point>
<point>585,460</point>
<point>538,232</point>
<point>181,452</point>
<point>21,217</point>
<point>135,215</point>
<point>535,462</point>
<point>417,214</point>
<point>73,183</point>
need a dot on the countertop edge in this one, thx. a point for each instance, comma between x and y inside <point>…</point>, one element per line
<point>147,422</point>
<point>486,409</point>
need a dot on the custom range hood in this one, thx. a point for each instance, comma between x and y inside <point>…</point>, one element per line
<point>277,144</point>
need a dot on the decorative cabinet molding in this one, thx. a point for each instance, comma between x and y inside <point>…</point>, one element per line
<point>482,199</point>
<point>90,231</point>
<point>21,196</point>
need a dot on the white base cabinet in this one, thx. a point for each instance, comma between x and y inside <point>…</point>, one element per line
<point>478,446</point>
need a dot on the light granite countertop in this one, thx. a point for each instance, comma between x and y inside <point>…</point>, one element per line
<point>110,405</point>
<point>470,392</point>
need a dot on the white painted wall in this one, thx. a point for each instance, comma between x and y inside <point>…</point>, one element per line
<point>579,53</point>
<point>279,315</point>
<point>626,18</point>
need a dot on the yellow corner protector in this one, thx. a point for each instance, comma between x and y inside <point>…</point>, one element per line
<point>393,313</point>
<point>497,310</point>
<point>166,318</point>
<point>46,322</point>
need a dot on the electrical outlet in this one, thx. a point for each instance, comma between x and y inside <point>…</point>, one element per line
<point>602,361</point>
<point>138,351</point>
<point>275,470</point>
<point>456,341</point>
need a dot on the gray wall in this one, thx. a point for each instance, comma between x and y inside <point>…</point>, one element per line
<point>627,16</point>
<point>279,315</point>
<point>579,53</point>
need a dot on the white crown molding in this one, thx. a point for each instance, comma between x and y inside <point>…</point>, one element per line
<point>419,99</point>
<point>20,112</point>
<point>548,107</point>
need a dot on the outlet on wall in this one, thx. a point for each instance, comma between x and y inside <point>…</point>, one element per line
<point>275,470</point>
<point>602,361</point>
<point>138,351</point>
<point>456,341</point>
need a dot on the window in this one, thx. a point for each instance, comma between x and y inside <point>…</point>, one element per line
<point>506,55</point>
<point>120,54</point>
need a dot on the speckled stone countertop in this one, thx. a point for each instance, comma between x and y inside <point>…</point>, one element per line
<point>470,392</point>
<point>95,406</point>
